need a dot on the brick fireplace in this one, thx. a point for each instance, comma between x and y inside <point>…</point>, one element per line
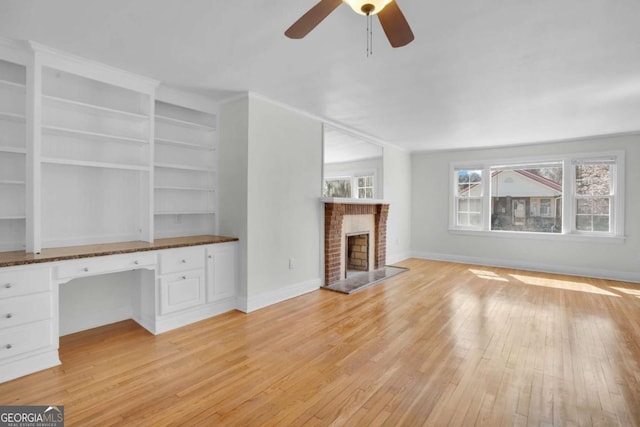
<point>343,218</point>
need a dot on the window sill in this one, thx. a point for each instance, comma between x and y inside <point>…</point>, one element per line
<point>568,237</point>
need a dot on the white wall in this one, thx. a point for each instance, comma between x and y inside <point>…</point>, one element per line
<point>270,185</point>
<point>284,212</point>
<point>232,180</point>
<point>397,191</point>
<point>430,217</point>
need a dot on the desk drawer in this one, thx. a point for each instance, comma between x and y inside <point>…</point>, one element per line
<point>16,341</point>
<point>183,259</point>
<point>181,291</point>
<point>104,264</point>
<point>24,282</point>
<point>20,310</point>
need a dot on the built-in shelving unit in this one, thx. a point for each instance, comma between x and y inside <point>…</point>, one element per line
<point>93,154</point>
<point>185,171</point>
<point>95,158</point>
<point>12,156</point>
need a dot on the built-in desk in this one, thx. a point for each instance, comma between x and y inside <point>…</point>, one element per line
<point>182,280</point>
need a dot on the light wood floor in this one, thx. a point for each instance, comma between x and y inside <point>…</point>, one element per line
<point>443,344</point>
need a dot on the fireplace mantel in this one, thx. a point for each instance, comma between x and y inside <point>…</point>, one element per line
<point>335,210</point>
<point>348,201</point>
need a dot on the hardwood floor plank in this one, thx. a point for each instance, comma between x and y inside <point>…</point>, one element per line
<point>442,344</point>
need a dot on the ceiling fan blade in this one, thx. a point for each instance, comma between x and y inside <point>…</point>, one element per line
<point>312,18</point>
<point>395,25</point>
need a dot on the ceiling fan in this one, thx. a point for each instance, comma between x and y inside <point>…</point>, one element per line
<point>393,22</point>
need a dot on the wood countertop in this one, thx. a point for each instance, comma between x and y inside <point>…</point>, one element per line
<point>11,259</point>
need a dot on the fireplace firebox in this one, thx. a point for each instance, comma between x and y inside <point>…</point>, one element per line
<point>357,256</point>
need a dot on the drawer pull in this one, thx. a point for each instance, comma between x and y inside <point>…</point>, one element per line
<point>8,286</point>
<point>85,269</point>
<point>9,316</point>
<point>8,346</point>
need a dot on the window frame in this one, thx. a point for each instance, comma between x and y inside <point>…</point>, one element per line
<point>456,199</point>
<point>569,198</point>
<point>355,189</point>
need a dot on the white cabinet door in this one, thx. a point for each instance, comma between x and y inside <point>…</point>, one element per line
<point>221,271</point>
<point>181,291</point>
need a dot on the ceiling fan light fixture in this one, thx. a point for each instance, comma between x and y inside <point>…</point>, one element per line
<point>364,7</point>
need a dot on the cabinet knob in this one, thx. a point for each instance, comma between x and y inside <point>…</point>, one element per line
<point>184,277</point>
<point>210,256</point>
<point>8,286</point>
<point>86,269</point>
<point>8,346</point>
<point>184,261</point>
<point>9,316</point>
<point>136,262</point>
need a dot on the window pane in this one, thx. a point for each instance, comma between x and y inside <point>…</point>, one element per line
<point>463,219</point>
<point>593,180</point>
<point>469,183</point>
<point>475,219</point>
<point>601,206</point>
<point>593,214</point>
<point>463,205</point>
<point>475,205</point>
<point>583,223</point>
<point>365,187</point>
<point>338,187</point>
<point>601,223</point>
<point>525,198</point>
<point>584,207</point>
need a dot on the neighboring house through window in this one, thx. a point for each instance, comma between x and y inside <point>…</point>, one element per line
<point>521,198</point>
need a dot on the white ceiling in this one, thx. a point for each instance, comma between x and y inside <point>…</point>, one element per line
<point>479,73</point>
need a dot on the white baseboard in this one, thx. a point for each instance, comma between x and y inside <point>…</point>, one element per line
<point>623,276</point>
<point>394,258</point>
<point>174,321</point>
<point>265,299</point>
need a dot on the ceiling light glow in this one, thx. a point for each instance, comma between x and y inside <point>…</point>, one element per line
<point>361,6</point>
